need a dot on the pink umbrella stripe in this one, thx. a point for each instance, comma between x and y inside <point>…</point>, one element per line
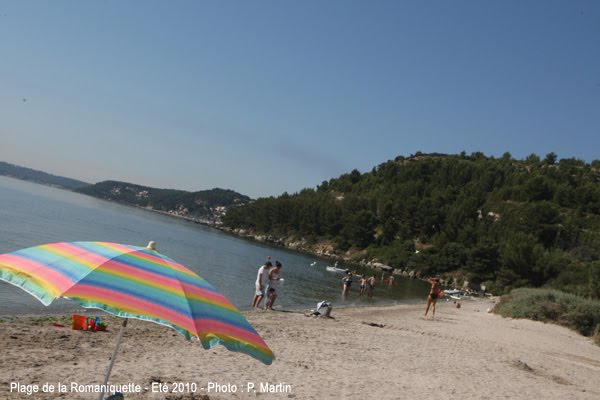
<point>50,279</point>
<point>208,327</point>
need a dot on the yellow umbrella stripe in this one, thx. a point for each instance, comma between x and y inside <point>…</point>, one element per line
<point>87,259</point>
<point>44,283</point>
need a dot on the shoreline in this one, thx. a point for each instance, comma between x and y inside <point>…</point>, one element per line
<point>251,237</point>
<point>249,310</point>
<point>387,352</point>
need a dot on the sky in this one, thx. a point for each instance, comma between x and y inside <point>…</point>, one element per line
<point>266,97</point>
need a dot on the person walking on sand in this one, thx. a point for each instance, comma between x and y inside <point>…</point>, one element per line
<point>274,280</point>
<point>433,295</point>
<point>260,288</point>
<point>371,282</point>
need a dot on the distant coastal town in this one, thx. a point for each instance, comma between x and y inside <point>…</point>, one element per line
<point>203,207</point>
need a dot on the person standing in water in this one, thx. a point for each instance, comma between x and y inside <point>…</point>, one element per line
<point>259,286</point>
<point>433,295</point>
<point>346,283</point>
<point>274,278</point>
<point>371,282</point>
<point>363,285</point>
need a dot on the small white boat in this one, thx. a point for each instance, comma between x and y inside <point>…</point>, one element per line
<point>460,298</point>
<point>335,269</point>
<point>454,292</point>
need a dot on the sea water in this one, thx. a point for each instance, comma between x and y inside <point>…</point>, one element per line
<point>32,214</point>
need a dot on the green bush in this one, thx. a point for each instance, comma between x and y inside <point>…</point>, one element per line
<point>548,305</point>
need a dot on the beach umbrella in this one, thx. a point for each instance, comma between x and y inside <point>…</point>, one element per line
<point>133,282</point>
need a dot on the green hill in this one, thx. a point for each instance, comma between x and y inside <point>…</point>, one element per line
<point>503,222</point>
<point>205,206</point>
<point>33,175</point>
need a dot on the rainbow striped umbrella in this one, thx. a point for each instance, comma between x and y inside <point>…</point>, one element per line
<point>133,282</point>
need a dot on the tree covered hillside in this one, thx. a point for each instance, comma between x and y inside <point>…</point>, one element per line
<point>205,205</point>
<point>505,222</point>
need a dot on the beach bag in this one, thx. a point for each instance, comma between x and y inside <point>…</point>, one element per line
<point>324,308</point>
<point>83,323</point>
<point>79,322</point>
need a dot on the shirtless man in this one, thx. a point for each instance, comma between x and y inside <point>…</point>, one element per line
<point>363,285</point>
<point>371,282</point>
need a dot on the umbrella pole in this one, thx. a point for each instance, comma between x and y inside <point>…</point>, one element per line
<point>114,356</point>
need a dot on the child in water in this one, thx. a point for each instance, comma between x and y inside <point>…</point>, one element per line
<point>363,284</point>
<point>270,297</point>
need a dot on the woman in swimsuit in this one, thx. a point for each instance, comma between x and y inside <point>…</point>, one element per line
<point>433,295</point>
<point>346,282</point>
<point>274,278</point>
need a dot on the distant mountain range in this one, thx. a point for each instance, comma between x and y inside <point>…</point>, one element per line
<point>205,206</point>
<point>44,178</point>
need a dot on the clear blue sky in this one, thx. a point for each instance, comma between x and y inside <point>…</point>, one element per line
<point>264,97</point>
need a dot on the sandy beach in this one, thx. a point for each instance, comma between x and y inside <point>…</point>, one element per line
<point>388,352</point>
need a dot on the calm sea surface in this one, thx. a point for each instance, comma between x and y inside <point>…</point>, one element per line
<point>32,214</point>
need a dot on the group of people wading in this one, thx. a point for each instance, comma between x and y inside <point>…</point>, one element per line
<point>273,278</point>
<point>272,275</point>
